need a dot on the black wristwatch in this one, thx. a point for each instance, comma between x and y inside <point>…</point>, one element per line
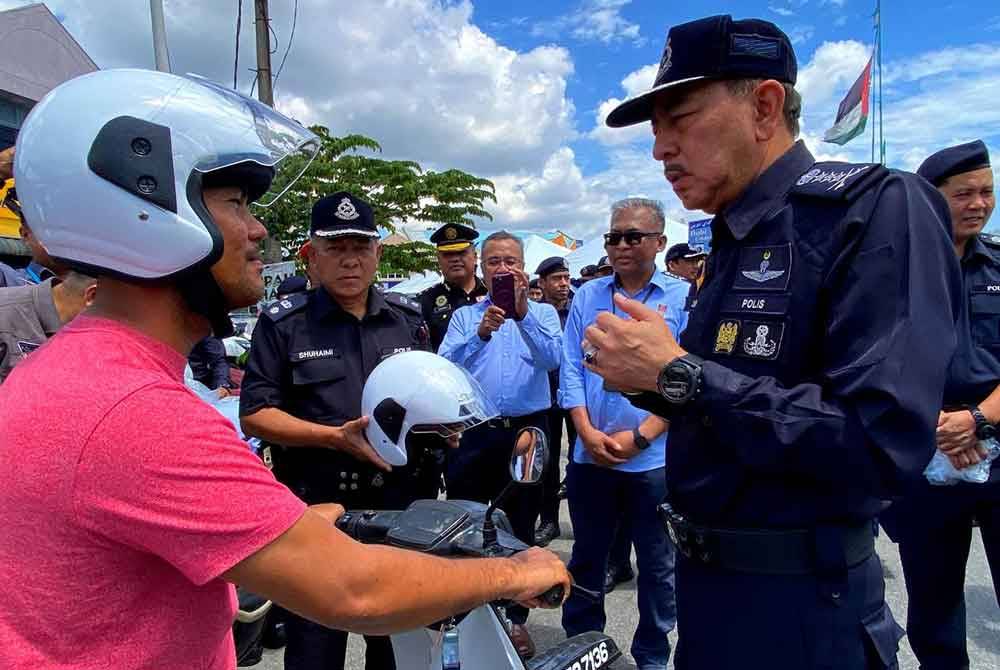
<point>984,429</point>
<point>680,379</point>
<point>641,442</point>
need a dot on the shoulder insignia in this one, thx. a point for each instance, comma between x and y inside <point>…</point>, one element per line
<point>276,311</point>
<point>838,181</point>
<point>403,302</point>
<point>990,240</point>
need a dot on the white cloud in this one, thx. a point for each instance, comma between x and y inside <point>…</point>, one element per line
<point>781,11</point>
<point>593,20</point>
<point>633,84</point>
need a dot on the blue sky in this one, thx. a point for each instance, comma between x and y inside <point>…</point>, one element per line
<point>516,90</point>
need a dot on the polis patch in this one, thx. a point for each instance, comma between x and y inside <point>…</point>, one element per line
<point>766,268</point>
<point>770,305</point>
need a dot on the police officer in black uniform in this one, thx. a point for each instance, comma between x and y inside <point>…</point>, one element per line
<point>310,356</point>
<point>933,524</point>
<point>461,286</point>
<point>806,387</point>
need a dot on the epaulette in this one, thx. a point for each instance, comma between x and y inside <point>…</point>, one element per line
<point>404,303</point>
<point>839,181</point>
<point>279,309</point>
<point>990,240</point>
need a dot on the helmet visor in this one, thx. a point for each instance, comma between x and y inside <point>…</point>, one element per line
<point>246,130</point>
<point>474,408</point>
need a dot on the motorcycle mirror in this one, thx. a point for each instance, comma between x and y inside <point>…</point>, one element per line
<point>531,453</point>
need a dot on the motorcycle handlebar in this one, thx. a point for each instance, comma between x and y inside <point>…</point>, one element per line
<point>369,527</point>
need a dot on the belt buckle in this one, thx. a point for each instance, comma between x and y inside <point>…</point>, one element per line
<point>693,542</point>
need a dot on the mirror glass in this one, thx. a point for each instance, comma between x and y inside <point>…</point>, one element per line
<point>531,453</point>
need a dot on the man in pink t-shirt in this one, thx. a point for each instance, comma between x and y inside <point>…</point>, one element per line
<point>129,507</point>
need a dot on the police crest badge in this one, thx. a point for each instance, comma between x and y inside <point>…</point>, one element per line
<point>450,233</point>
<point>441,301</point>
<point>725,338</point>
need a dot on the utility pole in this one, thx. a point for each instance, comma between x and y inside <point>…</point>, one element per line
<point>160,53</point>
<point>262,21</point>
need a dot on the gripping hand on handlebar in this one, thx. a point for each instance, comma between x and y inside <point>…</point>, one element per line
<point>536,572</point>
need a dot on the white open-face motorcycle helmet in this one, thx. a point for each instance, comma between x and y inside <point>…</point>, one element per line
<point>110,168</point>
<point>420,392</point>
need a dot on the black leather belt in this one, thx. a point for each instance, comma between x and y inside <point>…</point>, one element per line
<point>761,551</point>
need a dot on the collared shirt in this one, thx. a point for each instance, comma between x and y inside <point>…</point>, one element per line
<point>439,303</point>
<point>827,321</point>
<point>609,411</point>
<point>11,277</point>
<point>28,317</point>
<point>975,370</point>
<point>511,367</point>
<point>311,358</point>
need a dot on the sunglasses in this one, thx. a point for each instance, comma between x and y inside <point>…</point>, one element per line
<point>632,237</point>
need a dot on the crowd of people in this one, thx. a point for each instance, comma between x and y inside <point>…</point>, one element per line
<point>742,419</point>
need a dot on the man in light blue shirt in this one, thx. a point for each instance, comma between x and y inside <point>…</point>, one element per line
<point>510,356</point>
<point>618,463</point>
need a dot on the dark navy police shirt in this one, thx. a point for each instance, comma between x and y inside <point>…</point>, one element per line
<point>826,320</point>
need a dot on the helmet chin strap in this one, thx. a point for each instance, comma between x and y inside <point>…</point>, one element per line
<point>204,297</point>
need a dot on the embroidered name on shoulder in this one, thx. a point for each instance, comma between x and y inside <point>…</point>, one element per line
<point>838,180</point>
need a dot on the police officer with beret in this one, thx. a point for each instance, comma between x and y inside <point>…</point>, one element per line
<point>806,387</point>
<point>933,524</point>
<point>461,286</point>
<point>310,356</point>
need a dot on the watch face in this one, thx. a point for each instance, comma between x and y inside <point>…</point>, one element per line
<point>675,383</point>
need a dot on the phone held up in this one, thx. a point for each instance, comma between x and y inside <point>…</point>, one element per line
<point>502,293</point>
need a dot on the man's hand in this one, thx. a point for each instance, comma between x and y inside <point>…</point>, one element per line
<point>350,438</point>
<point>492,320</point>
<point>622,444</point>
<point>956,432</point>
<point>536,571</point>
<point>521,282</point>
<point>602,447</point>
<point>630,352</point>
<point>222,392</point>
<point>6,164</point>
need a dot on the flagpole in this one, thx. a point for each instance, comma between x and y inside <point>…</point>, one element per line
<point>881,129</point>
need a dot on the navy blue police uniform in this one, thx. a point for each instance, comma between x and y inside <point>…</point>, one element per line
<point>933,524</point>
<point>818,343</point>
<point>310,358</point>
<point>440,301</point>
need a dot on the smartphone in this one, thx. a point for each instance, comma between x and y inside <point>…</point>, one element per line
<point>502,293</point>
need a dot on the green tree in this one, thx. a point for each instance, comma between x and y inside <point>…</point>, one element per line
<point>399,192</point>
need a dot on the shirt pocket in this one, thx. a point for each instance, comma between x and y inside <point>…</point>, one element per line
<point>984,319</point>
<point>318,371</point>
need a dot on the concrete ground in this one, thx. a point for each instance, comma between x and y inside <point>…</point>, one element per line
<point>983,614</point>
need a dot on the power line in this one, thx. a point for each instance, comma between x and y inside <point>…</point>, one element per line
<point>239,20</point>
<point>288,47</point>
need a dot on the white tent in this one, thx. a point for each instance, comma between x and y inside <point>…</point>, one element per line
<point>537,249</point>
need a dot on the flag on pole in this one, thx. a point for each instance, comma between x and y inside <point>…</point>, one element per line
<point>852,116</point>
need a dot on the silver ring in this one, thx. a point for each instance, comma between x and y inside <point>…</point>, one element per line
<point>590,354</point>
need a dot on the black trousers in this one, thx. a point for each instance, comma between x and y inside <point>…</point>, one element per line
<point>480,469</point>
<point>549,508</point>
<point>312,646</point>
<point>934,549</point>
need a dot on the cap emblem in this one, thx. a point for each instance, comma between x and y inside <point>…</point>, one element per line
<point>665,62</point>
<point>450,233</point>
<point>346,210</point>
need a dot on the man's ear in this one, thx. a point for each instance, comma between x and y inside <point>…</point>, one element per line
<point>90,294</point>
<point>768,101</point>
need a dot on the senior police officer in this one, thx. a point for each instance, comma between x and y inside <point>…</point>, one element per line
<point>310,357</point>
<point>553,279</point>
<point>460,287</point>
<point>933,524</point>
<point>805,390</point>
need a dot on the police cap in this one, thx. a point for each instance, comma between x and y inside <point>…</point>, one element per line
<point>683,250</point>
<point>603,263</point>
<point>454,237</point>
<point>552,264</point>
<point>588,270</point>
<point>716,47</point>
<point>954,160</point>
<point>343,214</point>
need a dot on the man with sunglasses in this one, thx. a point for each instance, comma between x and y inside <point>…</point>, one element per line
<point>616,472</point>
<point>805,390</point>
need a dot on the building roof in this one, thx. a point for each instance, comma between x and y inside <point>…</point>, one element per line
<point>37,53</point>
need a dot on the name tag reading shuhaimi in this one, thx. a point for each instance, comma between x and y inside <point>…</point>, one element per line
<point>312,354</point>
